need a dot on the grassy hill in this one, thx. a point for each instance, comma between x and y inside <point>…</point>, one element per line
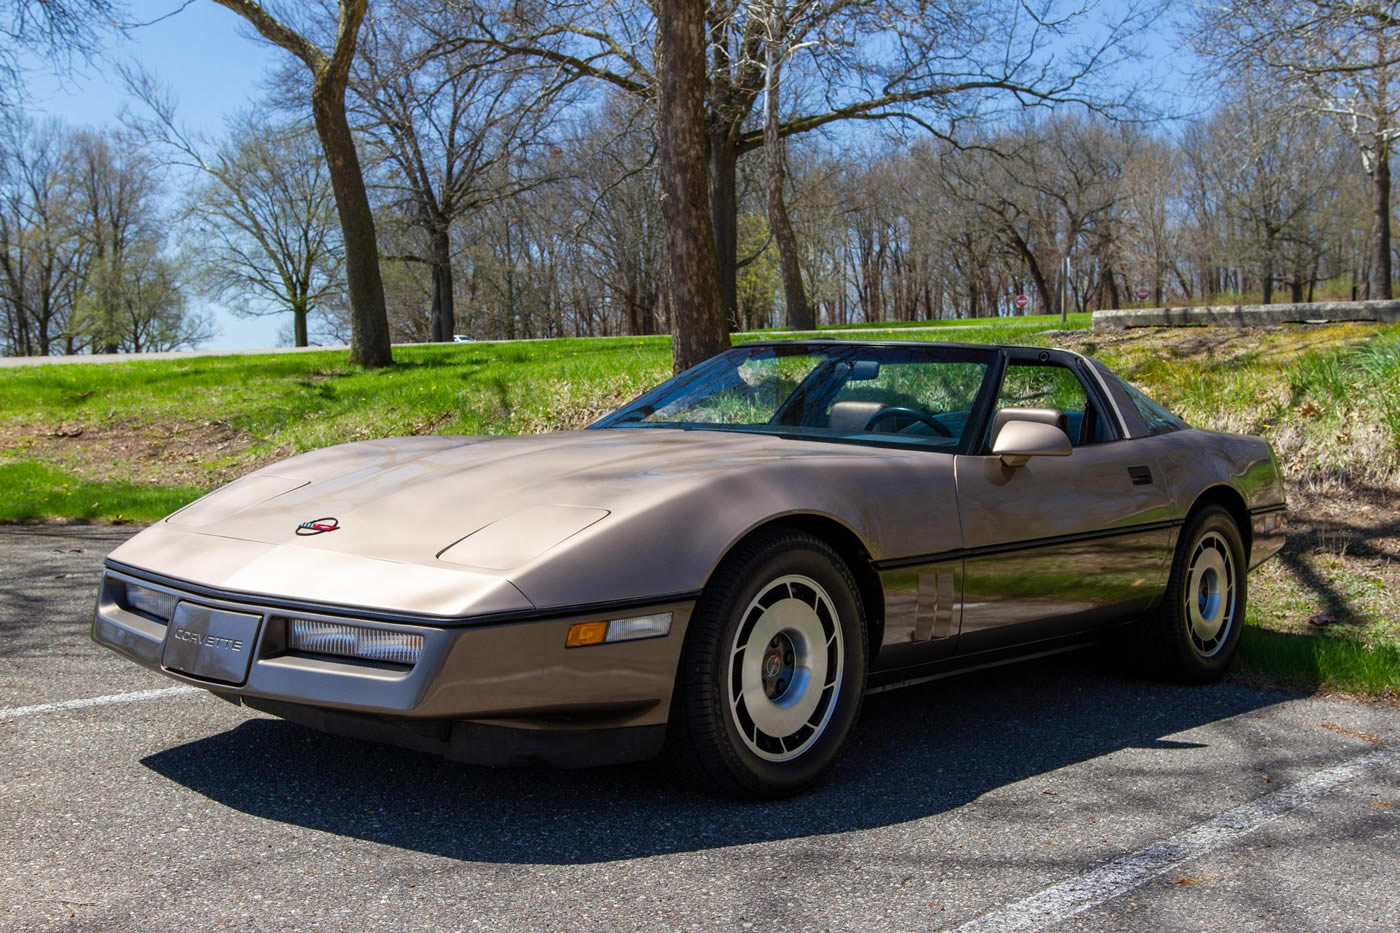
<point>133,441</point>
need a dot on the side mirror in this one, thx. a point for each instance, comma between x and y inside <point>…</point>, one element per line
<point>1018,441</point>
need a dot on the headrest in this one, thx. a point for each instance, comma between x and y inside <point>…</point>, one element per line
<point>1051,416</point>
<point>852,417</point>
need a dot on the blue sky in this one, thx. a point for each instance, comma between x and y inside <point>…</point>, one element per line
<point>214,65</point>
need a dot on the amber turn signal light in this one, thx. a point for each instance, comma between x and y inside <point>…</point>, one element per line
<point>596,633</point>
<point>586,633</point>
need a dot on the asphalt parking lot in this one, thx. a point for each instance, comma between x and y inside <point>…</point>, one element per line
<point>1054,794</point>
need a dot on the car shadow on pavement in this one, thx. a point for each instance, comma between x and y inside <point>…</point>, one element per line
<point>915,753</point>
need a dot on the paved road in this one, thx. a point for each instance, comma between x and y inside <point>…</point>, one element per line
<point>1045,796</point>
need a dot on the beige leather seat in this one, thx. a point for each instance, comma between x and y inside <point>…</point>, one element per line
<point>1051,416</point>
<point>852,417</point>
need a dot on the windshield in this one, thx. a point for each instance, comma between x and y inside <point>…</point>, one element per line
<point>919,396</point>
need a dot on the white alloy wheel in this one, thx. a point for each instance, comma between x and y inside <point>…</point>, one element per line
<point>785,668</point>
<point>1209,594</point>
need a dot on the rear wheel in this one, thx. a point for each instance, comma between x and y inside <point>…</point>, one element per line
<point>1198,626</point>
<point>772,670</point>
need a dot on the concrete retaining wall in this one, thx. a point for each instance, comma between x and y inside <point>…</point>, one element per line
<point>1253,315</point>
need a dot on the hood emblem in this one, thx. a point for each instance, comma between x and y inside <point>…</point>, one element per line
<point>318,526</point>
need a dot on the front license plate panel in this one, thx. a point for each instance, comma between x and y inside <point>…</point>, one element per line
<point>211,644</point>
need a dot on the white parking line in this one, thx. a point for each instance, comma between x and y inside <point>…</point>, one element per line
<point>17,711</point>
<point>1076,895</point>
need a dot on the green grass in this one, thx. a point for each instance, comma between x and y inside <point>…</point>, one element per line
<point>1328,399</point>
<point>266,407</point>
<point>273,406</point>
<point>1319,661</point>
<point>34,491</point>
<point>282,404</point>
<point>308,400</point>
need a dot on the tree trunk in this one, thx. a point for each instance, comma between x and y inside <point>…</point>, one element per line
<point>1183,281</point>
<point>799,312</point>
<point>632,300</point>
<point>1380,230</point>
<point>369,322</point>
<point>444,303</point>
<point>1108,286</point>
<point>724,216</point>
<point>299,336</point>
<point>698,318</point>
<point>1042,287</point>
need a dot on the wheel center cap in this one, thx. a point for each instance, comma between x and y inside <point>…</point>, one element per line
<point>777,667</point>
<point>1205,594</point>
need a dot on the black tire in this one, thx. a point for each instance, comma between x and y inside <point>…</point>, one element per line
<point>796,588</point>
<point>1198,626</point>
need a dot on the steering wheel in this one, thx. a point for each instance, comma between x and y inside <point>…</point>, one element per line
<point>911,413</point>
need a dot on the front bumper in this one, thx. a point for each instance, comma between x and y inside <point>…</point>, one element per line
<point>494,692</point>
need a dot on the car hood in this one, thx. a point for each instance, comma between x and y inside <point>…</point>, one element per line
<point>453,516</point>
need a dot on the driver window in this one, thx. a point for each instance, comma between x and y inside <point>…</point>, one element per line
<point>1048,385</point>
<point>910,399</point>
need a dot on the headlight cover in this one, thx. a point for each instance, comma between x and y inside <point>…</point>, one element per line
<point>354,641</point>
<point>156,603</point>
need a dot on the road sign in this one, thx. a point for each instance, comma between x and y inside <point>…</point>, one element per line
<point>1142,294</point>
<point>1022,301</point>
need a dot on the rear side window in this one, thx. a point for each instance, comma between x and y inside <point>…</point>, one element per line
<point>1159,420</point>
<point>1037,385</point>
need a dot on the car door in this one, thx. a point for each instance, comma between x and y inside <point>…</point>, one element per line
<point>1061,544</point>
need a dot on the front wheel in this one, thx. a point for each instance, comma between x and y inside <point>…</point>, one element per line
<point>772,670</point>
<point>1202,614</point>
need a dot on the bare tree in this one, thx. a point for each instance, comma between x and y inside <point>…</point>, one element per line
<point>777,49</point>
<point>1150,223</point>
<point>933,65</point>
<point>116,189</point>
<point>445,116</point>
<point>137,304</point>
<point>330,72</point>
<point>1267,167</point>
<point>265,217</point>
<point>1340,60</point>
<point>265,229</point>
<point>614,212</point>
<point>52,31</point>
<point>43,256</point>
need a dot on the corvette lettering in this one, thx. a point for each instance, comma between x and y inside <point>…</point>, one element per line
<point>208,641</point>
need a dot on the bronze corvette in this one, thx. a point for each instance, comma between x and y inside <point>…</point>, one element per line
<point>723,567</point>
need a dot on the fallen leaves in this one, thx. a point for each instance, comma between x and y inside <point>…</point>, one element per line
<point>1343,730</point>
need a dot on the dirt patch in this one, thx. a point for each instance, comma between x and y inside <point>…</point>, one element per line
<point>181,453</point>
<point>1339,572</point>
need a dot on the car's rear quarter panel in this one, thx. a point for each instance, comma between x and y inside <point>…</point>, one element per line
<point>1197,464</point>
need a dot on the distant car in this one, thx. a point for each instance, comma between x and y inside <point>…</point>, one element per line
<point>725,565</point>
<point>462,338</point>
